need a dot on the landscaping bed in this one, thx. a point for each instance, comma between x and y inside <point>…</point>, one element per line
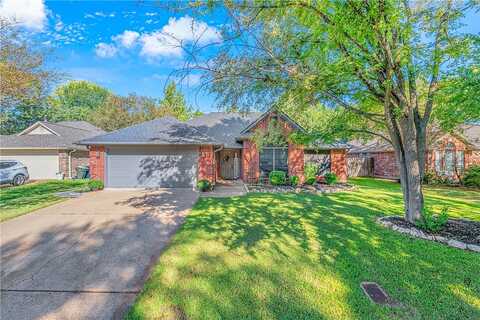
<point>458,233</point>
<point>316,188</point>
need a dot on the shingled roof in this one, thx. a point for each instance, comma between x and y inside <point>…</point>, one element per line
<point>63,136</point>
<point>224,127</point>
<point>162,131</point>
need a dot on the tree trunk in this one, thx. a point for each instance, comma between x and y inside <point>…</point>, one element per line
<point>421,141</point>
<point>403,135</point>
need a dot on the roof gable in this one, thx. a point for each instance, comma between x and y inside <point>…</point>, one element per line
<point>38,128</point>
<point>278,113</point>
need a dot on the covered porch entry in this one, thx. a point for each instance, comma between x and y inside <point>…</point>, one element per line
<point>228,164</point>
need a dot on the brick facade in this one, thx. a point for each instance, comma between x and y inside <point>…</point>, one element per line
<point>97,162</point>
<point>78,158</point>
<point>386,165</point>
<point>296,162</point>
<point>338,163</point>
<point>250,162</point>
<point>206,164</point>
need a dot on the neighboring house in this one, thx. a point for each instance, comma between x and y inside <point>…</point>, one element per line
<point>449,154</point>
<point>48,148</point>
<point>168,153</point>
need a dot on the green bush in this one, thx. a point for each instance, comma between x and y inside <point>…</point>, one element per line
<point>330,178</point>
<point>472,177</point>
<point>431,222</point>
<point>310,180</point>
<point>294,181</point>
<point>204,185</point>
<point>429,177</point>
<point>277,178</point>
<point>94,185</point>
<point>310,170</point>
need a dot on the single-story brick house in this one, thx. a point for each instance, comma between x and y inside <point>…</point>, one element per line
<point>168,153</point>
<point>449,154</point>
<point>47,149</point>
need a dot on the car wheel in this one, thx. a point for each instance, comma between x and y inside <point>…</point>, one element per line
<point>18,180</point>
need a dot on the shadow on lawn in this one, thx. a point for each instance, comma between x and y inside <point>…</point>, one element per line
<point>287,250</point>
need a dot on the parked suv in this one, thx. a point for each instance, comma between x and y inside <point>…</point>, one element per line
<point>13,171</point>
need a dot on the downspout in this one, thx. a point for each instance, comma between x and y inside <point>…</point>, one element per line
<point>70,163</point>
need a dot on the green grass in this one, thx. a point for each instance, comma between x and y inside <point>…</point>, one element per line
<point>16,201</point>
<point>265,256</point>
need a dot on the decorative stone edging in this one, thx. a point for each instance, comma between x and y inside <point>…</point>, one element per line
<point>417,233</point>
<point>320,189</point>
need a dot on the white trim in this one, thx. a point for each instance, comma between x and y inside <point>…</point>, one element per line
<point>32,148</point>
<point>34,126</point>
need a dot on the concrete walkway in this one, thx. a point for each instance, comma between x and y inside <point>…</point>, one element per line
<point>226,188</point>
<point>86,258</point>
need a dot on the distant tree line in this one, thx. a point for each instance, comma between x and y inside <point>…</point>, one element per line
<point>26,94</point>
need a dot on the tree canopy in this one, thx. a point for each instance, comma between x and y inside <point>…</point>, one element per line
<point>378,65</point>
<point>25,79</point>
<point>76,100</point>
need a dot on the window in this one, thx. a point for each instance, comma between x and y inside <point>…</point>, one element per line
<point>449,161</point>
<point>273,159</point>
<point>6,165</point>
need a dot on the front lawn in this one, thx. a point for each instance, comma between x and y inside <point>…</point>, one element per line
<point>15,201</point>
<point>290,256</point>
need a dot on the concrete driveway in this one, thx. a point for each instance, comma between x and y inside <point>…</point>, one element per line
<point>86,258</point>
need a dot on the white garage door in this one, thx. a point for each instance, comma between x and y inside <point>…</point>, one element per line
<point>41,164</point>
<point>158,166</point>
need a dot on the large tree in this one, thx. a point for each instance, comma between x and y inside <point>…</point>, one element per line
<point>378,64</point>
<point>25,80</point>
<point>76,100</point>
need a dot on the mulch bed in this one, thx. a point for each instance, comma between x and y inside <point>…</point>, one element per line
<point>316,188</point>
<point>458,229</point>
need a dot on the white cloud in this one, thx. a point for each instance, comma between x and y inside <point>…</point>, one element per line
<point>89,16</point>
<point>168,40</point>
<point>32,14</point>
<point>59,26</point>
<point>151,14</point>
<point>127,38</point>
<point>105,50</point>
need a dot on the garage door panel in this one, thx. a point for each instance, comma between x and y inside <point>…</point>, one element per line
<point>152,167</point>
<point>41,164</point>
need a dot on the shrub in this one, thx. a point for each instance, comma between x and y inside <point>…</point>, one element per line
<point>472,176</point>
<point>429,177</point>
<point>310,170</point>
<point>94,185</point>
<point>294,180</point>
<point>331,178</point>
<point>431,222</point>
<point>277,178</point>
<point>310,180</point>
<point>204,185</point>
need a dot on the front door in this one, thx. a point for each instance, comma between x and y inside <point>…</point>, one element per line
<point>230,164</point>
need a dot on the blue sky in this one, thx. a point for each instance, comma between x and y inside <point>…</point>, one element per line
<point>122,44</point>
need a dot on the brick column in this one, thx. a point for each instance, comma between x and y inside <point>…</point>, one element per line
<point>96,162</point>
<point>250,162</point>
<point>206,164</point>
<point>338,160</point>
<point>296,161</point>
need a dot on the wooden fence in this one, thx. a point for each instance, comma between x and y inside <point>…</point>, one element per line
<point>359,166</point>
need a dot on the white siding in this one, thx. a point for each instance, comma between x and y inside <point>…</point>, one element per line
<point>158,166</point>
<point>41,164</point>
